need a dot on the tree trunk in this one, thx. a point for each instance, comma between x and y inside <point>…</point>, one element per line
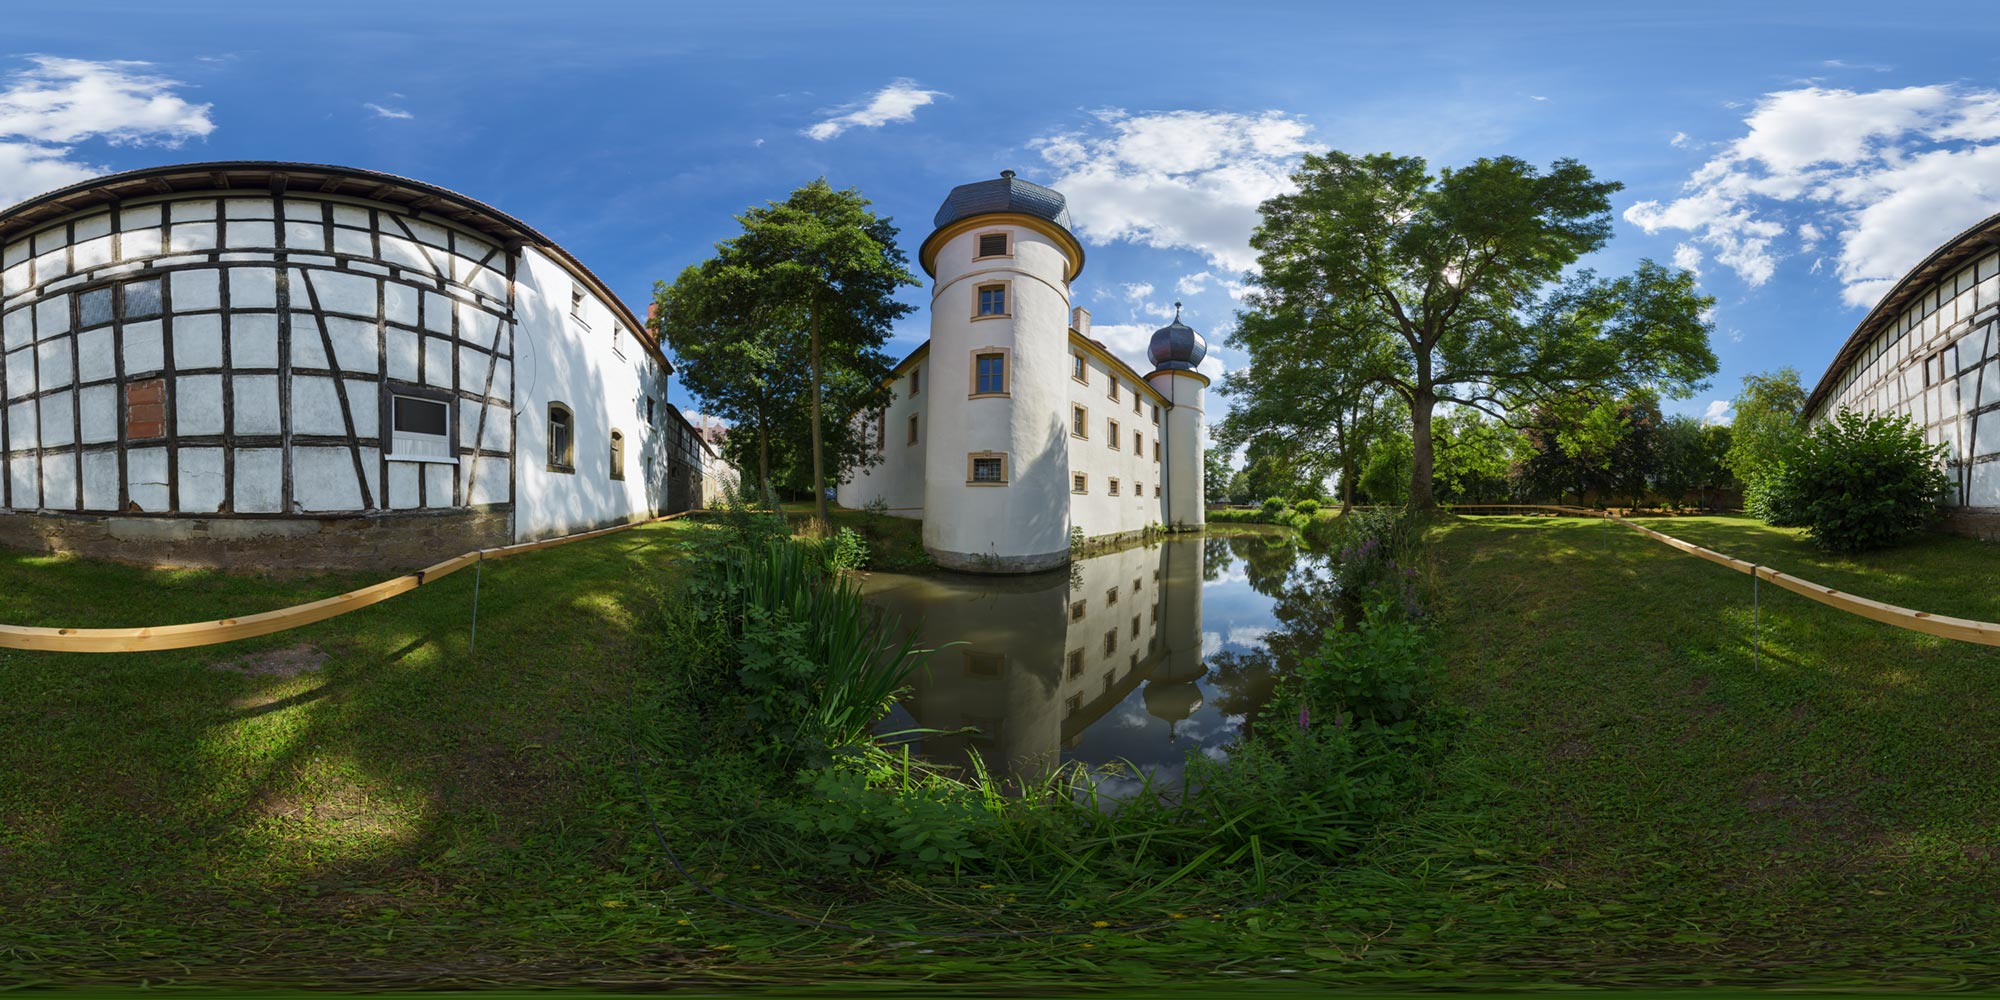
<point>1421,405</point>
<point>820,513</point>
<point>763,457</point>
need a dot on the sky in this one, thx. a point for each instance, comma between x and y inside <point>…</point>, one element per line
<point>1799,157</point>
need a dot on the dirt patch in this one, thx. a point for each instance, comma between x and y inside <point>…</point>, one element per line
<point>288,661</point>
<point>1574,748</point>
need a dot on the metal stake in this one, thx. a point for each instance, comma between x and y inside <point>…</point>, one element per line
<point>1756,621</point>
<point>472,645</point>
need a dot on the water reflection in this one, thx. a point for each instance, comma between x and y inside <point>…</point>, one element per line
<point>1136,655</point>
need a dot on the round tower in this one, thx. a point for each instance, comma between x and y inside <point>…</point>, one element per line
<point>996,473</point>
<point>1173,691</point>
<point>1176,351</point>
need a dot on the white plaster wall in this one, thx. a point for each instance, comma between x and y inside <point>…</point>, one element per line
<point>897,480</point>
<point>1029,517</point>
<point>1186,442</point>
<point>1095,510</point>
<point>565,359</point>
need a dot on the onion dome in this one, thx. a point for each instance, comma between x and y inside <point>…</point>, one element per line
<point>1007,194</point>
<point>1172,701</point>
<point>1176,347</point>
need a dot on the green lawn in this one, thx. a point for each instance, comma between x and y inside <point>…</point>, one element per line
<point>1634,800</point>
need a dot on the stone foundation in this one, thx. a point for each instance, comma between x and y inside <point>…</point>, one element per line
<point>291,546</point>
<point>987,562</point>
<point>1982,523</point>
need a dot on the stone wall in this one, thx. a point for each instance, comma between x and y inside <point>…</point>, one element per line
<point>1981,524</point>
<point>292,546</point>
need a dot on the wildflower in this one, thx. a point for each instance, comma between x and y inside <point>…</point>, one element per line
<point>1100,924</point>
<point>1305,719</point>
<point>1176,916</point>
<point>1087,944</point>
<point>615,904</point>
<point>683,923</point>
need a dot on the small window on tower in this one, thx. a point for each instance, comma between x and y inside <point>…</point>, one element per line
<point>1156,414</point>
<point>993,244</point>
<point>1111,436</point>
<point>1138,443</point>
<point>576,302</point>
<point>992,300</point>
<point>1135,401</point>
<point>1156,449</point>
<point>618,455</point>
<point>1079,483</point>
<point>913,429</point>
<point>916,380</point>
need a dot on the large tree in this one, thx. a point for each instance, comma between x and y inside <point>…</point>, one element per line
<point>818,270</point>
<point>1457,281</point>
<point>1309,380</point>
<point>1769,418</point>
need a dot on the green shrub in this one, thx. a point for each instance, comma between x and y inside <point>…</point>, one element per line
<point>1860,482</point>
<point>847,551</point>
<point>1273,505</point>
<point>1380,671</point>
<point>1307,507</point>
<point>863,817</point>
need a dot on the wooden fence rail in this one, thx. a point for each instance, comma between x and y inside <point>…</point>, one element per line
<point>1943,626</point>
<point>153,637</point>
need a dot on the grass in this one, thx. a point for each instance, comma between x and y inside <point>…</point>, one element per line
<point>1637,798</point>
<point>895,544</point>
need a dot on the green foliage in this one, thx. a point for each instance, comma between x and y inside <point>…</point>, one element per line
<point>847,551</point>
<point>1472,456</point>
<point>1860,482</point>
<point>1691,460</point>
<point>1379,671</point>
<point>872,814</point>
<point>1386,477</point>
<point>1308,506</point>
<point>1455,287</point>
<point>1769,412</point>
<point>1377,559</point>
<point>1273,505</point>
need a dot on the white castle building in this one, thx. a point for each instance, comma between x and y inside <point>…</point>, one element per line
<point>1010,428</point>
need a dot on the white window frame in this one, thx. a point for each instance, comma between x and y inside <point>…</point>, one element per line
<point>412,446</point>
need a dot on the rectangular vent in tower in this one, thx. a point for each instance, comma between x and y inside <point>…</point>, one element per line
<point>993,245</point>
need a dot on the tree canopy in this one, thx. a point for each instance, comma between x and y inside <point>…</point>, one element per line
<point>1454,288</point>
<point>818,273</point>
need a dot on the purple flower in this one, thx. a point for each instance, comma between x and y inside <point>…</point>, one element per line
<point>1304,718</point>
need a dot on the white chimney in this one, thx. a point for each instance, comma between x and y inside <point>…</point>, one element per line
<point>1079,320</point>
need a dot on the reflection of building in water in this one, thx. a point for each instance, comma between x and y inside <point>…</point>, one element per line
<point>1044,657</point>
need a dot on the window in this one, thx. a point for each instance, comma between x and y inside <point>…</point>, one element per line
<point>992,301</point>
<point>1135,584</point>
<point>93,308</point>
<point>989,373</point>
<point>992,245</point>
<point>1079,422</point>
<point>1138,489</point>
<point>1110,596</point>
<point>986,468</point>
<point>617,454</point>
<point>1110,647</point>
<point>1079,483</point>
<point>1114,388</point>
<point>1114,487</point>
<point>1156,490</point>
<point>1135,631</point>
<point>1156,449</point>
<point>1138,443</point>
<point>1076,610</point>
<point>881,430</point>
<point>576,303</point>
<point>1156,414</point>
<point>142,299</point>
<point>916,381</point>
<point>419,427</point>
<point>562,439</point>
<point>651,421</point>
<point>1111,434</point>
<point>1079,369</point>
<point>1072,705</point>
<point>913,429</point>
<point>1075,663</point>
<point>618,339</point>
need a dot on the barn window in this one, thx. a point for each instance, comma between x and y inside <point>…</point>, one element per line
<point>562,439</point>
<point>617,454</point>
<point>992,244</point>
<point>419,428</point>
<point>142,299</point>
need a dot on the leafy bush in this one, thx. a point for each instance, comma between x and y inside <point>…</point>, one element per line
<point>1308,507</point>
<point>847,551</point>
<point>1273,505</point>
<point>1860,482</point>
<point>1377,557</point>
<point>863,817</point>
<point>1379,671</point>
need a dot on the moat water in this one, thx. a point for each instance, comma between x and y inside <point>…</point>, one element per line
<point>1126,661</point>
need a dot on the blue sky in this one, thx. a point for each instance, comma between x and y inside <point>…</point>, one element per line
<point>1799,157</point>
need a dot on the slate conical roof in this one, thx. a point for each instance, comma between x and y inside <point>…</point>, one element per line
<point>1006,193</point>
<point>1176,347</point>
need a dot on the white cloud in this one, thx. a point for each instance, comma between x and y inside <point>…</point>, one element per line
<point>1138,290</point>
<point>897,102</point>
<point>382,112</point>
<point>1688,257</point>
<point>57,102</point>
<point>1679,141</point>
<point>1889,174</point>
<point>1193,284</point>
<point>1717,412</point>
<point>1176,179</point>
<point>1536,97</point>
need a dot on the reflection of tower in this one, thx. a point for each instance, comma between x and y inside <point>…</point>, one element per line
<point>1176,351</point>
<point>1172,693</point>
